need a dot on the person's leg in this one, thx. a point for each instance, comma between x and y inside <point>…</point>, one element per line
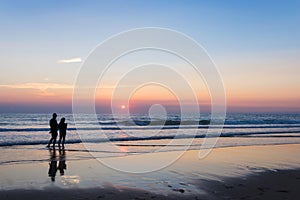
<point>54,139</point>
<point>50,141</point>
<point>63,138</point>
<point>59,141</point>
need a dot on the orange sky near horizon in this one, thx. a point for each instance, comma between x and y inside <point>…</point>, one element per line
<point>35,94</point>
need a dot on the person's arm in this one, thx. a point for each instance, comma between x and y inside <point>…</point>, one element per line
<point>50,126</point>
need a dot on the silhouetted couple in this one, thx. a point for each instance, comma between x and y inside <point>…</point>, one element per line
<point>54,127</point>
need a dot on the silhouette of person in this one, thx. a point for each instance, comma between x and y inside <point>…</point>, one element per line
<point>62,166</point>
<point>53,130</point>
<point>52,165</point>
<point>62,126</point>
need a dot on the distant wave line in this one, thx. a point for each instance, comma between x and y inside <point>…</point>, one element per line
<point>153,127</point>
<point>162,137</point>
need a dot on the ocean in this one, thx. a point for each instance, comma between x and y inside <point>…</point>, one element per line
<point>140,134</point>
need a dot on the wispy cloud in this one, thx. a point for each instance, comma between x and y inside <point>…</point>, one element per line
<point>42,87</point>
<point>72,60</point>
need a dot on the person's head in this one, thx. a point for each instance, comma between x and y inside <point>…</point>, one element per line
<point>54,115</point>
<point>62,120</point>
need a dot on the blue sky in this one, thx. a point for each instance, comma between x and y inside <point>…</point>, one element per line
<point>242,37</point>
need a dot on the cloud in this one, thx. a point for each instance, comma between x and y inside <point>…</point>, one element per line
<point>72,60</point>
<point>42,87</point>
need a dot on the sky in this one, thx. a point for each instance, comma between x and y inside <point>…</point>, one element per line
<point>255,45</point>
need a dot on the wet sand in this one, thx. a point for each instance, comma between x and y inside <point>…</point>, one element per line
<point>249,172</point>
<point>282,184</point>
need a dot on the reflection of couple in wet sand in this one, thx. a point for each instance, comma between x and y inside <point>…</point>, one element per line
<point>54,127</point>
<point>53,167</point>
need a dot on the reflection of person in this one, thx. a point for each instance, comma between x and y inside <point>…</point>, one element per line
<point>62,131</point>
<point>52,165</point>
<point>62,166</point>
<point>53,130</point>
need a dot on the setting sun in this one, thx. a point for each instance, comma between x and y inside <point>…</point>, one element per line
<point>123,106</point>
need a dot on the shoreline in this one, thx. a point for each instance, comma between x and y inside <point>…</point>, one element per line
<point>149,147</point>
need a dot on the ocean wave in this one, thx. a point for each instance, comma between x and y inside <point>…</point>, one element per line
<point>154,127</point>
<point>288,133</point>
<point>27,129</point>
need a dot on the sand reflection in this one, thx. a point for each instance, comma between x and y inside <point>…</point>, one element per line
<point>57,162</point>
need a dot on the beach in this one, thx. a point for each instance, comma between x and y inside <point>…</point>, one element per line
<point>241,172</point>
<point>256,156</point>
<point>151,100</point>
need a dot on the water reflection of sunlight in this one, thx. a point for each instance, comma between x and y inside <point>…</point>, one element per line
<point>70,180</point>
<point>123,149</point>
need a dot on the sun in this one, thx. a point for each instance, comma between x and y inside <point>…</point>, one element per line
<point>123,106</point>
